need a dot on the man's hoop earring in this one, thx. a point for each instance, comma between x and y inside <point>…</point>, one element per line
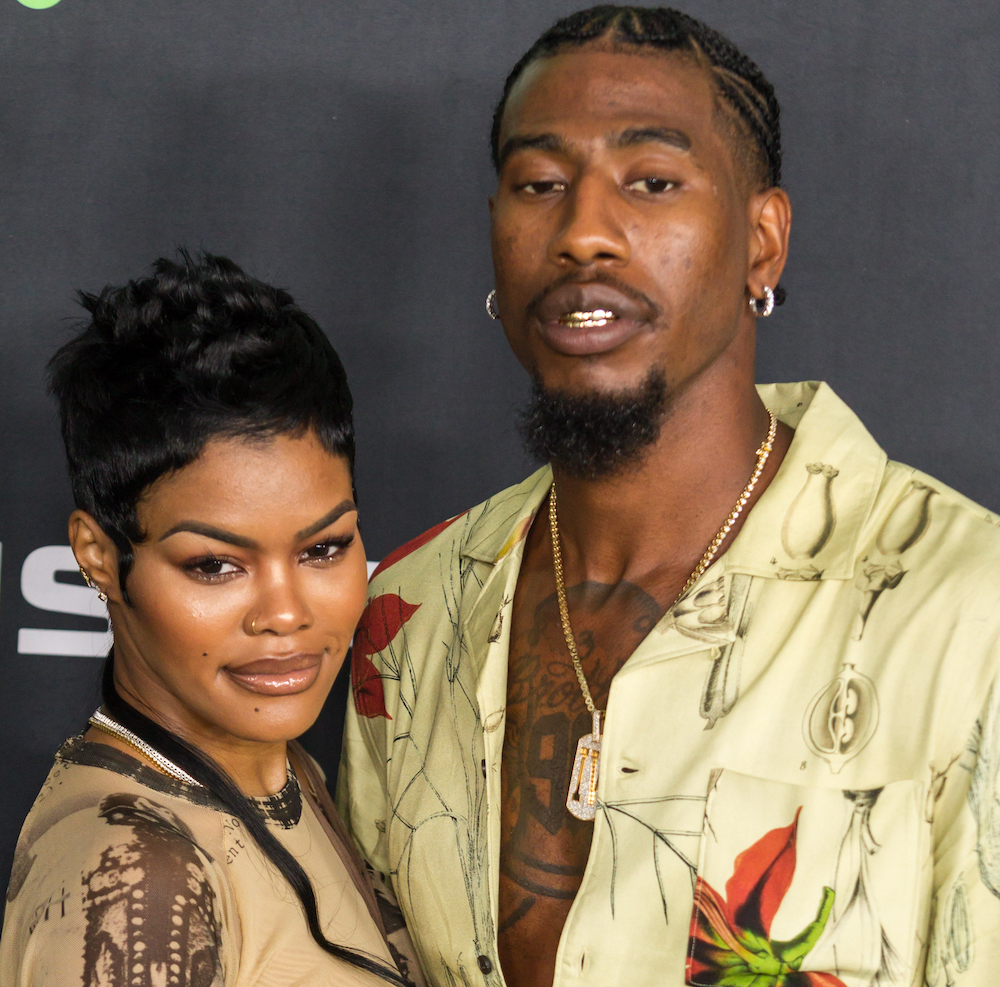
<point>101,595</point>
<point>763,307</point>
<point>491,305</point>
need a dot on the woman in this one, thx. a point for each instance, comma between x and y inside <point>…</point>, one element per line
<point>184,839</point>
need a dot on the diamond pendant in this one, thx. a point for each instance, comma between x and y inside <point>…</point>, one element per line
<point>582,798</point>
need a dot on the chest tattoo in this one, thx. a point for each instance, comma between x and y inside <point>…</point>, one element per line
<point>543,848</point>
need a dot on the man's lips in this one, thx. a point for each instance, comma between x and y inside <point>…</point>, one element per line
<point>284,676</point>
<point>589,319</point>
<point>590,338</point>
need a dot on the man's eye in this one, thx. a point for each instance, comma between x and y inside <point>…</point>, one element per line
<point>542,188</point>
<point>651,185</point>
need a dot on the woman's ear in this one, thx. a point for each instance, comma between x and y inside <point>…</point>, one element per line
<point>95,554</point>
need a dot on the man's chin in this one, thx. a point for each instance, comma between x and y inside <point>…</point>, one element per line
<point>594,433</point>
<point>597,380</point>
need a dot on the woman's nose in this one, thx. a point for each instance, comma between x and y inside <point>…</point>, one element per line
<point>280,606</point>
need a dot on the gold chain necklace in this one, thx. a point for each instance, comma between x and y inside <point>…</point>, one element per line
<point>581,799</point>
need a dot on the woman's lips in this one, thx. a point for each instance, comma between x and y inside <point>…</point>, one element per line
<point>278,676</point>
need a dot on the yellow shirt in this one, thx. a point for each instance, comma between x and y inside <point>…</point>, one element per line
<point>798,780</point>
<point>124,877</point>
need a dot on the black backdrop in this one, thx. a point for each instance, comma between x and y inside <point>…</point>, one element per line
<point>339,148</point>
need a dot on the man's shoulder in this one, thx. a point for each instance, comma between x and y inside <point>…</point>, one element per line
<point>919,517</point>
<point>963,510</point>
<point>480,532</point>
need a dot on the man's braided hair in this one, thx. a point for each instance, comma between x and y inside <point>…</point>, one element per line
<point>746,99</point>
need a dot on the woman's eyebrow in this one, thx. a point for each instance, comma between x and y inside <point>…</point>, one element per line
<point>210,531</point>
<point>230,538</point>
<point>327,519</point>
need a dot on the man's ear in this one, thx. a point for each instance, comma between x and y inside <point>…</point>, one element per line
<point>95,553</point>
<point>770,214</point>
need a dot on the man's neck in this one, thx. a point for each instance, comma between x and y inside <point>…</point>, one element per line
<point>656,520</point>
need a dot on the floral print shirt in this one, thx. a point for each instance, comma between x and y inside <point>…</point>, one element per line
<point>799,780</point>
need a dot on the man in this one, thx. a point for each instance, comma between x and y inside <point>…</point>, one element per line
<point>787,640</point>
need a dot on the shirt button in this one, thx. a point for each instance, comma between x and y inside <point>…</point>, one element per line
<point>485,964</point>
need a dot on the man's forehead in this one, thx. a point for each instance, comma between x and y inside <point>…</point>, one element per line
<point>613,89</point>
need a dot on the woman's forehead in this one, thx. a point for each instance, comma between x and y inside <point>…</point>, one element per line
<point>275,481</point>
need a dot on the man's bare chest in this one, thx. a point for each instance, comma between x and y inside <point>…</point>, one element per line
<point>544,849</point>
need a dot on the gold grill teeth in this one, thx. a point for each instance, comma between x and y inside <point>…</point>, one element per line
<point>587,320</point>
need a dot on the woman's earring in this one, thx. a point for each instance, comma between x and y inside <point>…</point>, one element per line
<point>101,595</point>
<point>763,307</point>
<point>491,305</point>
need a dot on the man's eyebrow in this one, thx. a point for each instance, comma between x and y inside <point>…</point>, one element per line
<point>644,135</point>
<point>539,142</point>
<point>326,520</point>
<point>210,531</point>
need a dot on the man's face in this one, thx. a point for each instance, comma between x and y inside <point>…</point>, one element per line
<point>618,192</point>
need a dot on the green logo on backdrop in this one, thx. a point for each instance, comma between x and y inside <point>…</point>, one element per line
<point>38,4</point>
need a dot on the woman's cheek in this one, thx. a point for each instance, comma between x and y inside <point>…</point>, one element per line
<point>191,614</point>
<point>345,599</point>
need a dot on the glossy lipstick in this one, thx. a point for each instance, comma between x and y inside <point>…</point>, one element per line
<point>278,676</point>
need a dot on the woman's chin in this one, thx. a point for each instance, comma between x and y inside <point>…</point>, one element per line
<point>267,717</point>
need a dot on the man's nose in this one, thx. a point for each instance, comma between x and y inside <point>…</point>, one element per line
<point>591,231</point>
<point>280,606</point>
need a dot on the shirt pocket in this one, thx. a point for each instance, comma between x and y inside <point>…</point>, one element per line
<point>808,887</point>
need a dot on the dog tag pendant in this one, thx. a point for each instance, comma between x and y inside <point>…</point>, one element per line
<point>582,798</point>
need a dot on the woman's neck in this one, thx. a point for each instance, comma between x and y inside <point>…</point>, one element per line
<point>256,776</point>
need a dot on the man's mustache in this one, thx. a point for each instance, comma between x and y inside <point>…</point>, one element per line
<point>594,277</point>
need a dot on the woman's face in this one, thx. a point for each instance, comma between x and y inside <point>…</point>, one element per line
<point>245,592</point>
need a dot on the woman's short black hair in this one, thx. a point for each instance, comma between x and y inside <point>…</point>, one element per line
<point>195,351</point>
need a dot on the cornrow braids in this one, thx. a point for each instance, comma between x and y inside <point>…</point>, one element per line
<point>743,92</point>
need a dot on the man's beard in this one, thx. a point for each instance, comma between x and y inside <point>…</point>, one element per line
<point>594,436</point>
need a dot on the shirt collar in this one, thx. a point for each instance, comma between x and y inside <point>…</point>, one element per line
<point>809,521</point>
<point>806,525</point>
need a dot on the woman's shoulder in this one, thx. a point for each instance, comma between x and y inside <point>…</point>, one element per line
<point>93,790</point>
<point>112,865</point>
<point>98,802</point>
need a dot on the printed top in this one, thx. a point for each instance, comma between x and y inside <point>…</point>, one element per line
<point>124,876</point>
<point>798,781</point>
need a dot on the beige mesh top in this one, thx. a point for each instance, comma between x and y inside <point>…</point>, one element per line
<point>123,876</point>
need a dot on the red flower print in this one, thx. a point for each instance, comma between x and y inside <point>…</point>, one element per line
<point>731,943</point>
<point>761,877</point>
<point>381,621</point>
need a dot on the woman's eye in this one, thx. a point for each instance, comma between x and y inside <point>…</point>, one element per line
<point>212,567</point>
<point>651,185</point>
<point>543,188</point>
<point>328,549</point>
